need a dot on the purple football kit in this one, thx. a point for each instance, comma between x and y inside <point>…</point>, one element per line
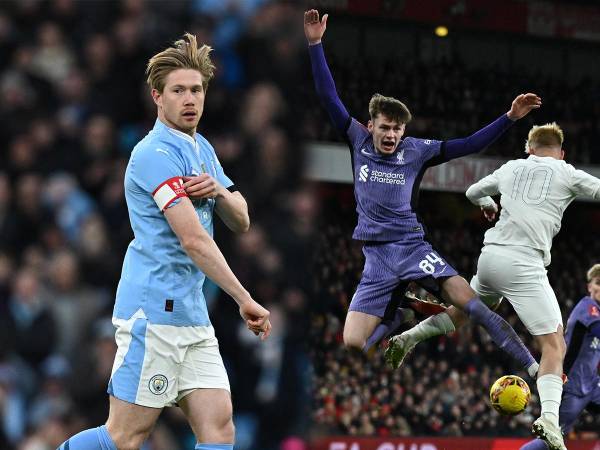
<point>386,188</point>
<point>395,249</point>
<point>581,363</point>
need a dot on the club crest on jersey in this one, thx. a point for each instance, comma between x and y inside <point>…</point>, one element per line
<point>400,157</point>
<point>158,384</point>
<point>594,311</point>
<point>364,173</point>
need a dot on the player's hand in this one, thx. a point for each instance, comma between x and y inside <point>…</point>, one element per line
<point>522,105</point>
<point>490,211</point>
<point>256,318</point>
<point>201,186</point>
<point>314,29</point>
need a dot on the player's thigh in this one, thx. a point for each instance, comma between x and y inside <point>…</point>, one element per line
<point>520,276</point>
<point>128,424</point>
<point>359,326</point>
<point>203,381</point>
<point>213,423</point>
<point>456,291</point>
<point>489,297</point>
<point>534,301</point>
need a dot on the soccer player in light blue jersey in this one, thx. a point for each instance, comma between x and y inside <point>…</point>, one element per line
<point>167,350</point>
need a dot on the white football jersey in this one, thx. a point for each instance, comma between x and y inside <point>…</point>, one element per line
<point>534,195</point>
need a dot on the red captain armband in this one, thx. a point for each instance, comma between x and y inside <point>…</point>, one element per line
<point>168,191</point>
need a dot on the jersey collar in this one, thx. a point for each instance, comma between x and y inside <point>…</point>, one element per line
<point>161,126</point>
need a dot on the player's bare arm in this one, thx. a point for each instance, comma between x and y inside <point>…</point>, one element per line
<point>231,207</point>
<point>314,28</point>
<point>203,250</point>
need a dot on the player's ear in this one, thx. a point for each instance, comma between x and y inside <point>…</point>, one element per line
<point>562,154</point>
<point>157,97</point>
<point>370,125</point>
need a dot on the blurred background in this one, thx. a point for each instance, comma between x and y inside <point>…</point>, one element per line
<point>457,64</point>
<point>73,103</point>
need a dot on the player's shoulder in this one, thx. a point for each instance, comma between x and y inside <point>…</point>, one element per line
<point>410,141</point>
<point>152,143</point>
<point>587,305</point>
<point>203,142</point>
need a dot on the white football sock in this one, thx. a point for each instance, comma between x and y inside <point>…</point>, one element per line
<point>550,389</point>
<point>432,326</point>
<point>532,370</point>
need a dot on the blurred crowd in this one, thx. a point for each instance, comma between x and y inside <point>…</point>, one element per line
<point>443,386</point>
<point>450,100</point>
<point>73,103</point>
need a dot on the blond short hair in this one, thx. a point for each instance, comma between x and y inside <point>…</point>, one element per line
<point>594,272</point>
<point>548,135</point>
<point>184,54</point>
<point>390,107</point>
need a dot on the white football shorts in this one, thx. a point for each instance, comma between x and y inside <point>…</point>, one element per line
<point>518,273</point>
<point>158,365</point>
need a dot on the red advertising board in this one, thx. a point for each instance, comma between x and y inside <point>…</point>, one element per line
<point>347,443</point>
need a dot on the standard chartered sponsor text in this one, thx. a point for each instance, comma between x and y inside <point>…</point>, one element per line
<point>387,177</point>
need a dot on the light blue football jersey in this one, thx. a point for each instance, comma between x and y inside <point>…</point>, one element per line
<point>158,276</point>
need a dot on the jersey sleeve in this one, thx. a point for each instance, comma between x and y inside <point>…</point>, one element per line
<point>589,313</point>
<point>480,193</point>
<point>431,150</point>
<point>222,178</point>
<point>356,133</point>
<point>159,172</point>
<point>585,185</point>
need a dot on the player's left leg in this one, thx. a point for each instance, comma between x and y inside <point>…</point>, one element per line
<point>449,320</point>
<point>203,381</point>
<point>457,291</point>
<point>212,426</point>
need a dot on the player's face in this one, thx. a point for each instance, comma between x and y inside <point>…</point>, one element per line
<point>594,288</point>
<point>181,102</point>
<point>386,133</point>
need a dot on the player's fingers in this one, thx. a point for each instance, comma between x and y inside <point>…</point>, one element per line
<point>267,331</point>
<point>324,19</point>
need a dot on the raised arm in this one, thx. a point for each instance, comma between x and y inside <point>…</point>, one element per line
<point>324,84</point>
<point>480,140</point>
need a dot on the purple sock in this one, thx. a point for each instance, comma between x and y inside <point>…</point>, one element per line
<point>384,329</point>
<point>536,444</point>
<point>500,331</point>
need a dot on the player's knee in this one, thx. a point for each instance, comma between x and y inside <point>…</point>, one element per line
<point>127,439</point>
<point>352,340</point>
<point>222,429</point>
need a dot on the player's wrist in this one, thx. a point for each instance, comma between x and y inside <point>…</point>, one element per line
<point>312,42</point>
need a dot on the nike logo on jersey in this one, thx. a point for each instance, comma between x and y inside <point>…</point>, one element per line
<point>364,152</point>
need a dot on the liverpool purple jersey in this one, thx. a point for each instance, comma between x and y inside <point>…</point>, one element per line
<point>583,349</point>
<point>386,186</point>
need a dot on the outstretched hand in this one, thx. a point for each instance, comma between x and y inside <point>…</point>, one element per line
<point>523,104</point>
<point>314,29</point>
